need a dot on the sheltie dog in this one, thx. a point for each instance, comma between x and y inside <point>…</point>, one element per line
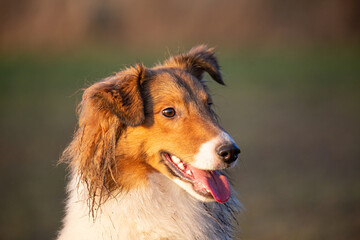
<point>148,155</point>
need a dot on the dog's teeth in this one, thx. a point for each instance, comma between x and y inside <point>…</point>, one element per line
<point>175,159</point>
<point>181,166</point>
<point>189,172</point>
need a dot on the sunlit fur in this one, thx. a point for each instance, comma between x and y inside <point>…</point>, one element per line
<point>120,187</point>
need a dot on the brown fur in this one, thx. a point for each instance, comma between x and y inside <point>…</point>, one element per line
<point>121,129</point>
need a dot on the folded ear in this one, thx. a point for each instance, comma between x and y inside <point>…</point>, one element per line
<point>121,95</point>
<point>198,60</point>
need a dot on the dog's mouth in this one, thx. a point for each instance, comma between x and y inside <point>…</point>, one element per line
<point>208,183</point>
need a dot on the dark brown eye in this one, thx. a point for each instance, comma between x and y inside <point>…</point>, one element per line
<point>168,112</point>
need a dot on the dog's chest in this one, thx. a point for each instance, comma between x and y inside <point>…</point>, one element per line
<point>160,210</point>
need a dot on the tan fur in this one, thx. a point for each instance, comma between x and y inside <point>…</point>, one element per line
<point>121,129</point>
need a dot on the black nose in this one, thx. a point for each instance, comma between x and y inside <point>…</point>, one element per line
<point>228,152</point>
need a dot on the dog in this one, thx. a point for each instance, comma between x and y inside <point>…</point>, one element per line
<point>147,158</point>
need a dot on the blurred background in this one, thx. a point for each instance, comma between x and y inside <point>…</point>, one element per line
<point>292,101</point>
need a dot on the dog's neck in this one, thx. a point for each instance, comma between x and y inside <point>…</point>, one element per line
<point>160,210</point>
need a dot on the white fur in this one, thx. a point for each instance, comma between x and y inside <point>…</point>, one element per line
<point>207,158</point>
<point>160,210</point>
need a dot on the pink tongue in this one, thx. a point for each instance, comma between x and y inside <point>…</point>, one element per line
<point>214,182</point>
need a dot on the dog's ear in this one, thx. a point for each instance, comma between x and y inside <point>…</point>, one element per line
<point>121,95</point>
<point>106,108</point>
<point>198,60</point>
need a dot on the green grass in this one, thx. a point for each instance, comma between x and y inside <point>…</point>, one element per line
<point>295,115</point>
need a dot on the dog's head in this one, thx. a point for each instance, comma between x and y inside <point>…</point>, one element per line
<point>145,120</point>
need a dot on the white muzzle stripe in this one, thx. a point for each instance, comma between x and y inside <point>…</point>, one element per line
<point>207,158</point>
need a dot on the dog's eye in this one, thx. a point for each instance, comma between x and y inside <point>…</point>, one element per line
<point>168,112</point>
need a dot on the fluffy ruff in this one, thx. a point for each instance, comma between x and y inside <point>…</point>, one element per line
<point>160,210</point>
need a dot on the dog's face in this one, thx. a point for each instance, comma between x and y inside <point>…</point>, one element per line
<point>181,137</point>
<point>156,120</point>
